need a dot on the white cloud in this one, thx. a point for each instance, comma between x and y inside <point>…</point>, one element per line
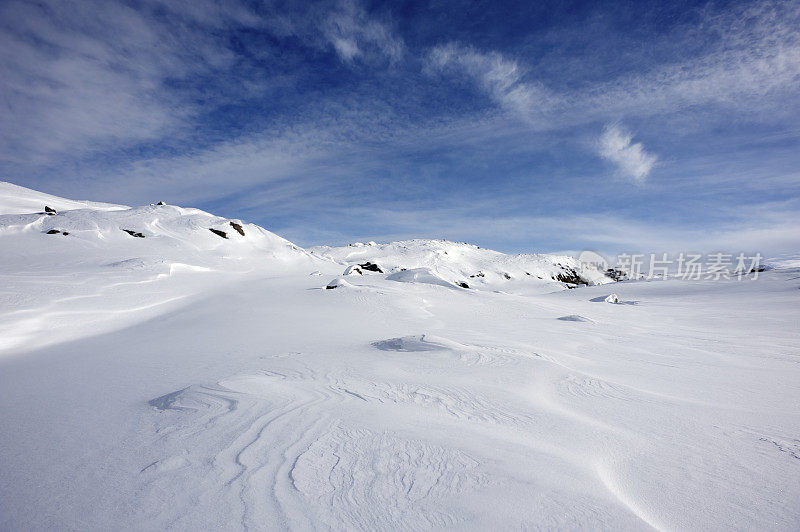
<point>353,33</point>
<point>615,145</point>
<point>498,76</point>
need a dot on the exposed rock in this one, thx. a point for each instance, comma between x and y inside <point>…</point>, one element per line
<point>616,274</point>
<point>134,233</point>
<point>507,276</point>
<point>49,211</point>
<point>65,233</point>
<point>239,229</point>
<point>570,276</point>
<point>370,267</point>
<point>53,232</point>
<point>612,298</point>
<point>462,284</point>
<point>160,203</point>
<point>353,270</point>
<point>479,274</point>
<point>217,232</point>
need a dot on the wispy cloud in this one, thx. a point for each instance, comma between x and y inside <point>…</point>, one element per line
<point>353,33</point>
<point>615,145</point>
<point>499,77</point>
<point>77,79</point>
<point>85,76</point>
<point>750,61</point>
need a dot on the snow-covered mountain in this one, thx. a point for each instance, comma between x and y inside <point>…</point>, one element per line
<point>462,265</point>
<point>108,233</point>
<point>165,368</point>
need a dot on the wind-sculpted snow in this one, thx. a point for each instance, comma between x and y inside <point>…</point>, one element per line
<point>185,381</point>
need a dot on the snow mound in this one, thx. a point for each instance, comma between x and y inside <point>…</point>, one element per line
<point>421,275</point>
<point>339,282</point>
<point>612,298</point>
<point>417,343</point>
<point>353,270</point>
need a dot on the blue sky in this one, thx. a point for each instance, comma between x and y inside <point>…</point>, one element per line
<point>520,126</point>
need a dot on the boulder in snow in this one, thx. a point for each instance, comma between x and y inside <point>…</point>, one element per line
<point>612,298</point>
<point>238,227</point>
<point>217,232</point>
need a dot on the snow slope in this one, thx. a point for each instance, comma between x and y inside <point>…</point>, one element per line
<point>259,400</point>
<point>15,199</point>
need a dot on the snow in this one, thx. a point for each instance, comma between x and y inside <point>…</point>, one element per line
<point>191,382</point>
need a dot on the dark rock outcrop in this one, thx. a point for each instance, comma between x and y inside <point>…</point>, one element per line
<point>370,267</point>
<point>217,232</point>
<point>49,211</point>
<point>462,284</point>
<point>134,233</point>
<point>239,229</point>
<point>570,276</point>
<point>53,232</point>
<point>160,203</point>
